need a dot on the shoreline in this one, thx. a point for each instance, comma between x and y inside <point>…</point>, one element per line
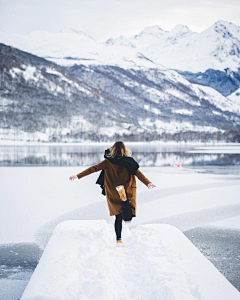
<point>181,143</point>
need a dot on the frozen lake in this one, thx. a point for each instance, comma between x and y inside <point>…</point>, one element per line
<point>36,194</point>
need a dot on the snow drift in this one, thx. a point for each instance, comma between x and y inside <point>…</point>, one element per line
<point>81,261</point>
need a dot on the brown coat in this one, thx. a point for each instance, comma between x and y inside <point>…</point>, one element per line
<point>115,175</point>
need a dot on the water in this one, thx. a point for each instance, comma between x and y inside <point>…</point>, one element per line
<point>17,263</point>
<point>146,155</point>
<point>222,247</point>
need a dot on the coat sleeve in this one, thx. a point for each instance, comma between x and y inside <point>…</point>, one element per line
<point>142,177</point>
<point>95,168</point>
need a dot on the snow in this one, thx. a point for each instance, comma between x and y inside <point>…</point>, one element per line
<point>5,103</point>
<point>79,46</point>
<point>179,48</point>
<point>216,113</point>
<point>183,112</point>
<point>149,35</point>
<point>53,71</point>
<point>184,50</point>
<point>197,52</point>
<point>233,223</point>
<point>120,41</point>
<point>215,98</point>
<point>185,97</point>
<point>235,96</point>
<point>155,95</point>
<point>172,126</point>
<point>217,149</point>
<point>29,73</point>
<point>41,197</point>
<point>211,203</point>
<point>18,136</point>
<point>81,261</point>
<point>180,28</point>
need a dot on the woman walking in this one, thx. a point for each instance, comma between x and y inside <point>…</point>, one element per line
<point>118,183</point>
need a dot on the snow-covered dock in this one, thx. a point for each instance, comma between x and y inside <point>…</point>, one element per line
<point>81,261</point>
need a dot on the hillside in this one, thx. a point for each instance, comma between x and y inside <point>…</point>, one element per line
<point>42,101</point>
<point>210,57</point>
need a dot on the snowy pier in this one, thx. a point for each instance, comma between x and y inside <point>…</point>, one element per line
<point>81,261</point>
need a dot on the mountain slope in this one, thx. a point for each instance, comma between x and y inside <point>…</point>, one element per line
<point>235,96</point>
<point>41,100</point>
<point>154,35</point>
<point>210,58</point>
<point>162,93</point>
<point>217,47</point>
<point>69,46</point>
<point>40,96</point>
<point>225,82</point>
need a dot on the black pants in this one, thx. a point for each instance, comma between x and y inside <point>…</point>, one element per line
<point>126,214</point>
<point>118,226</point>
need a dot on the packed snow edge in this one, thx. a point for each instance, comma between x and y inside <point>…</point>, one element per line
<point>81,261</point>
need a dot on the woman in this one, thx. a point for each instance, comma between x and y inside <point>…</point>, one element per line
<point>118,169</point>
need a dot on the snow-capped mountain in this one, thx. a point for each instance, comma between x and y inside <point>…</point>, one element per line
<point>120,41</point>
<point>217,47</point>
<point>69,47</point>
<point>155,35</point>
<point>123,77</point>
<point>210,58</point>
<point>149,35</point>
<point>226,82</point>
<point>42,101</point>
<point>235,96</point>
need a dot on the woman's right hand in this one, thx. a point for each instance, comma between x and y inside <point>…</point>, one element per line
<point>151,185</point>
<point>73,177</point>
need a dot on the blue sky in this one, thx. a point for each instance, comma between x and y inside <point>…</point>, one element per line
<point>105,18</point>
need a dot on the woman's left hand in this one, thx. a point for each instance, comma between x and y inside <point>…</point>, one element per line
<point>151,185</point>
<point>73,177</point>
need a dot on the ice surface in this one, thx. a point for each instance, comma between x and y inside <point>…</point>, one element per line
<point>233,223</point>
<point>235,149</point>
<point>10,291</point>
<point>81,261</point>
<point>36,199</point>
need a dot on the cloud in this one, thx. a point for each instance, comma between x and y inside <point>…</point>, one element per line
<point>105,18</point>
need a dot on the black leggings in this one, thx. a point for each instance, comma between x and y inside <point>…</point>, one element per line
<point>126,214</point>
<point>118,226</point>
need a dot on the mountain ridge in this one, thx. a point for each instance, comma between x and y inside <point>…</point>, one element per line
<point>218,47</point>
<point>210,57</point>
<point>47,102</point>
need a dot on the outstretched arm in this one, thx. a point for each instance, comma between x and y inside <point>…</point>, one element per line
<point>95,168</point>
<point>144,179</point>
